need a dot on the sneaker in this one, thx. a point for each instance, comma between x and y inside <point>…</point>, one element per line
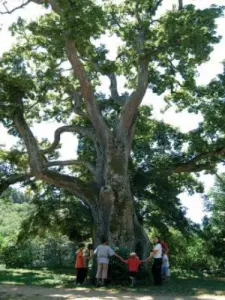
<point>97,283</point>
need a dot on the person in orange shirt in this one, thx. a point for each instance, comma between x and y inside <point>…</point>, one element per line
<point>79,265</point>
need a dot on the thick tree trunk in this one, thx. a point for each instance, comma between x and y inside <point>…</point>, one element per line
<point>114,212</point>
<point>114,218</point>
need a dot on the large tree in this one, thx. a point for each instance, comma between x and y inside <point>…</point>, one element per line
<point>55,71</point>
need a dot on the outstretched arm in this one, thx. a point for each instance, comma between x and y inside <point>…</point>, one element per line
<point>145,260</point>
<point>118,256</point>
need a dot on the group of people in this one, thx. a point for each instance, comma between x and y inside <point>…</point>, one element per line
<point>160,267</point>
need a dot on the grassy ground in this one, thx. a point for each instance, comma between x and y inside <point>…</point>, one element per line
<point>42,277</point>
<point>180,285</point>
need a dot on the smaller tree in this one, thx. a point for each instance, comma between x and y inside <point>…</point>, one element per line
<point>214,226</point>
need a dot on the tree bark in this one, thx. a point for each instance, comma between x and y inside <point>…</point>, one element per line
<point>180,4</point>
<point>113,212</point>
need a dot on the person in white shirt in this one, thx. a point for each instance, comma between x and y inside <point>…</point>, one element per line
<point>157,264</point>
<point>103,253</point>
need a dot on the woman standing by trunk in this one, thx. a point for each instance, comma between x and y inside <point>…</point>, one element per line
<point>157,264</point>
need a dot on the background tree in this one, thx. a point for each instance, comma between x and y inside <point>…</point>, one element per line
<point>24,248</point>
<point>214,228</point>
<point>55,211</point>
<point>161,54</point>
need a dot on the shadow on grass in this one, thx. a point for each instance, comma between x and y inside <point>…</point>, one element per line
<point>65,278</point>
<point>187,286</point>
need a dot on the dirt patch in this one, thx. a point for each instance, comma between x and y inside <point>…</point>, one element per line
<point>15,292</point>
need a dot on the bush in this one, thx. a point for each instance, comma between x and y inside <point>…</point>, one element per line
<point>51,252</point>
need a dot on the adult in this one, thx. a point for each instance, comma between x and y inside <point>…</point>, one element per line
<point>103,253</point>
<point>157,264</point>
<point>79,265</point>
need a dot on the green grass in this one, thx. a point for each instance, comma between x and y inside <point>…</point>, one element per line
<point>186,284</point>
<point>42,277</point>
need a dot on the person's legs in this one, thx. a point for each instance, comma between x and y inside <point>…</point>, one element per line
<point>99,273</point>
<point>164,272</point>
<point>154,272</point>
<point>132,276</point>
<point>104,272</point>
<point>79,275</point>
<point>82,275</point>
<point>158,271</point>
<point>85,274</point>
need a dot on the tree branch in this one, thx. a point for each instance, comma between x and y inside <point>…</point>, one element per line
<point>130,107</point>
<point>129,111</point>
<point>220,179</point>
<point>86,164</point>
<point>5,183</point>
<point>193,166</point>
<point>113,88</point>
<point>76,186</point>
<point>158,3</point>
<point>14,9</point>
<point>87,92</point>
<point>87,132</point>
<point>86,87</point>
<point>34,155</point>
<point>113,84</point>
<point>180,4</point>
<point>76,101</point>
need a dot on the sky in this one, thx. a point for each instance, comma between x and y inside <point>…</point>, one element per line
<point>184,121</point>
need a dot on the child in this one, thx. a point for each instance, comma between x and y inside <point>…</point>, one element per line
<point>133,263</point>
<point>87,254</point>
<point>79,265</point>
<point>165,265</point>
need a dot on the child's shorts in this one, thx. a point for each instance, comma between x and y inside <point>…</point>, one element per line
<point>132,274</point>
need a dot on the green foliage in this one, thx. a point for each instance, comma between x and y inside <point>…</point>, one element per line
<point>35,75</point>
<point>16,209</point>
<point>56,211</point>
<point>214,226</point>
<point>54,250</point>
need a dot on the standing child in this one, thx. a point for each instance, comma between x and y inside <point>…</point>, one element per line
<point>87,254</point>
<point>165,266</point>
<point>79,265</point>
<point>133,263</point>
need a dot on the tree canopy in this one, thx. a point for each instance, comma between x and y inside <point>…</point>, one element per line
<point>54,72</point>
